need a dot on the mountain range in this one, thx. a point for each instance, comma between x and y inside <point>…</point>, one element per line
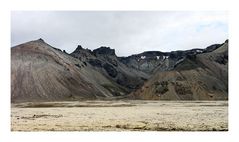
<point>41,72</point>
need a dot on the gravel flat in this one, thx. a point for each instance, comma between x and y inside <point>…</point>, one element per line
<point>120,115</point>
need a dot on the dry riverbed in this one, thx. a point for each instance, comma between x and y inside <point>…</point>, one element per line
<point>120,116</point>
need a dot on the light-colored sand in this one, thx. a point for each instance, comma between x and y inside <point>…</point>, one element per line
<point>121,116</point>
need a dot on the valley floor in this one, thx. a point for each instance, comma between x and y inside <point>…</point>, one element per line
<point>123,115</point>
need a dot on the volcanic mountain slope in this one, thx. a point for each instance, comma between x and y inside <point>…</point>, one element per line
<point>197,77</point>
<point>40,72</point>
<point>105,61</point>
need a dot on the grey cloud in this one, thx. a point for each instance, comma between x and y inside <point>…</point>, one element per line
<point>127,32</point>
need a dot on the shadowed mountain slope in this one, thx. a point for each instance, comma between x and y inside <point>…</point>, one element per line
<point>105,61</point>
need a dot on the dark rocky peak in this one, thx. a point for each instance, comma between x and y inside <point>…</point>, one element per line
<point>226,41</point>
<point>81,53</point>
<point>41,40</point>
<point>80,48</point>
<point>104,51</point>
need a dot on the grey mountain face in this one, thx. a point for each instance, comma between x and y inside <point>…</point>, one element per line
<point>40,72</point>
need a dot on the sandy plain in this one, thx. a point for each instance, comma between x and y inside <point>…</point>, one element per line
<point>120,115</point>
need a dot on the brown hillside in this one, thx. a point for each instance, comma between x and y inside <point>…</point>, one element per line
<point>197,77</point>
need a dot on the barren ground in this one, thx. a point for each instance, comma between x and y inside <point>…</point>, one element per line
<point>121,116</point>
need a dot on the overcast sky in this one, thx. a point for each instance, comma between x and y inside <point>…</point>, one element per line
<point>126,32</point>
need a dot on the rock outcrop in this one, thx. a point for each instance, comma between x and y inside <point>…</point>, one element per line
<point>104,51</point>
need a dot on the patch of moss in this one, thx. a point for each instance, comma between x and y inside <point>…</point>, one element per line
<point>161,87</point>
